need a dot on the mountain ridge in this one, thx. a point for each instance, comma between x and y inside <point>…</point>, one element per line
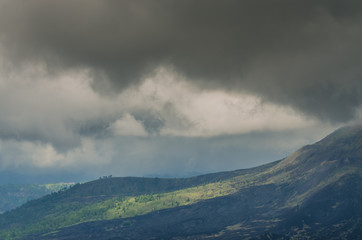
<point>289,198</point>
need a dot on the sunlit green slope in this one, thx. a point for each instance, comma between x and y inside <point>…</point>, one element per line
<point>110,198</point>
<point>265,191</point>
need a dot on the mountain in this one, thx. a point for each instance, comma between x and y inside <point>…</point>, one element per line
<point>14,195</point>
<point>315,193</point>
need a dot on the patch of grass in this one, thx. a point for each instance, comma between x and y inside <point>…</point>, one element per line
<point>65,214</point>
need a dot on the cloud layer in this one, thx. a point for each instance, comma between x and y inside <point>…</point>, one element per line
<point>305,54</point>
<point>165,125</point>
<point>64,109</point>
<point>173,85</point>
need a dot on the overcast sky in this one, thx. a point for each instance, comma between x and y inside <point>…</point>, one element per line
<point>172,88</point>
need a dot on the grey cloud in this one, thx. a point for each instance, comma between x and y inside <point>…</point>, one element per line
<point>155,120</point>
<point>150,121</point>
<point>305,54</point>
<point>173,156</point>
<point>64,141</point>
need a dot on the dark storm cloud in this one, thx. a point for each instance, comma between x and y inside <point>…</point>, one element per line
<point>306,54</point>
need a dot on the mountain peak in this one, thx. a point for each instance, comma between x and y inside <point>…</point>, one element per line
<point>340,149</point>
<point>348,136</point>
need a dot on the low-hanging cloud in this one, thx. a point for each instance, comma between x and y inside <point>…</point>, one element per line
<point>305,54</point>
<point>163,126</point>
<point>146,87</point>
<point>64,110</point>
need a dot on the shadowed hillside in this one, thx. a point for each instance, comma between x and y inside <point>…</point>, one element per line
<point>313,193</point>
<point>110,198</point>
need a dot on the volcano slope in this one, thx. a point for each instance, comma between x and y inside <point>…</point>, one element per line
<point>314,193</point>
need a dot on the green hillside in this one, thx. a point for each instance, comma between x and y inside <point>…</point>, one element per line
<point>247,202</point>
<point>111,198</point>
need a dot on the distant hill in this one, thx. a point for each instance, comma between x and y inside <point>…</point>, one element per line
<point>14,195</point>
<point>314,193</point>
